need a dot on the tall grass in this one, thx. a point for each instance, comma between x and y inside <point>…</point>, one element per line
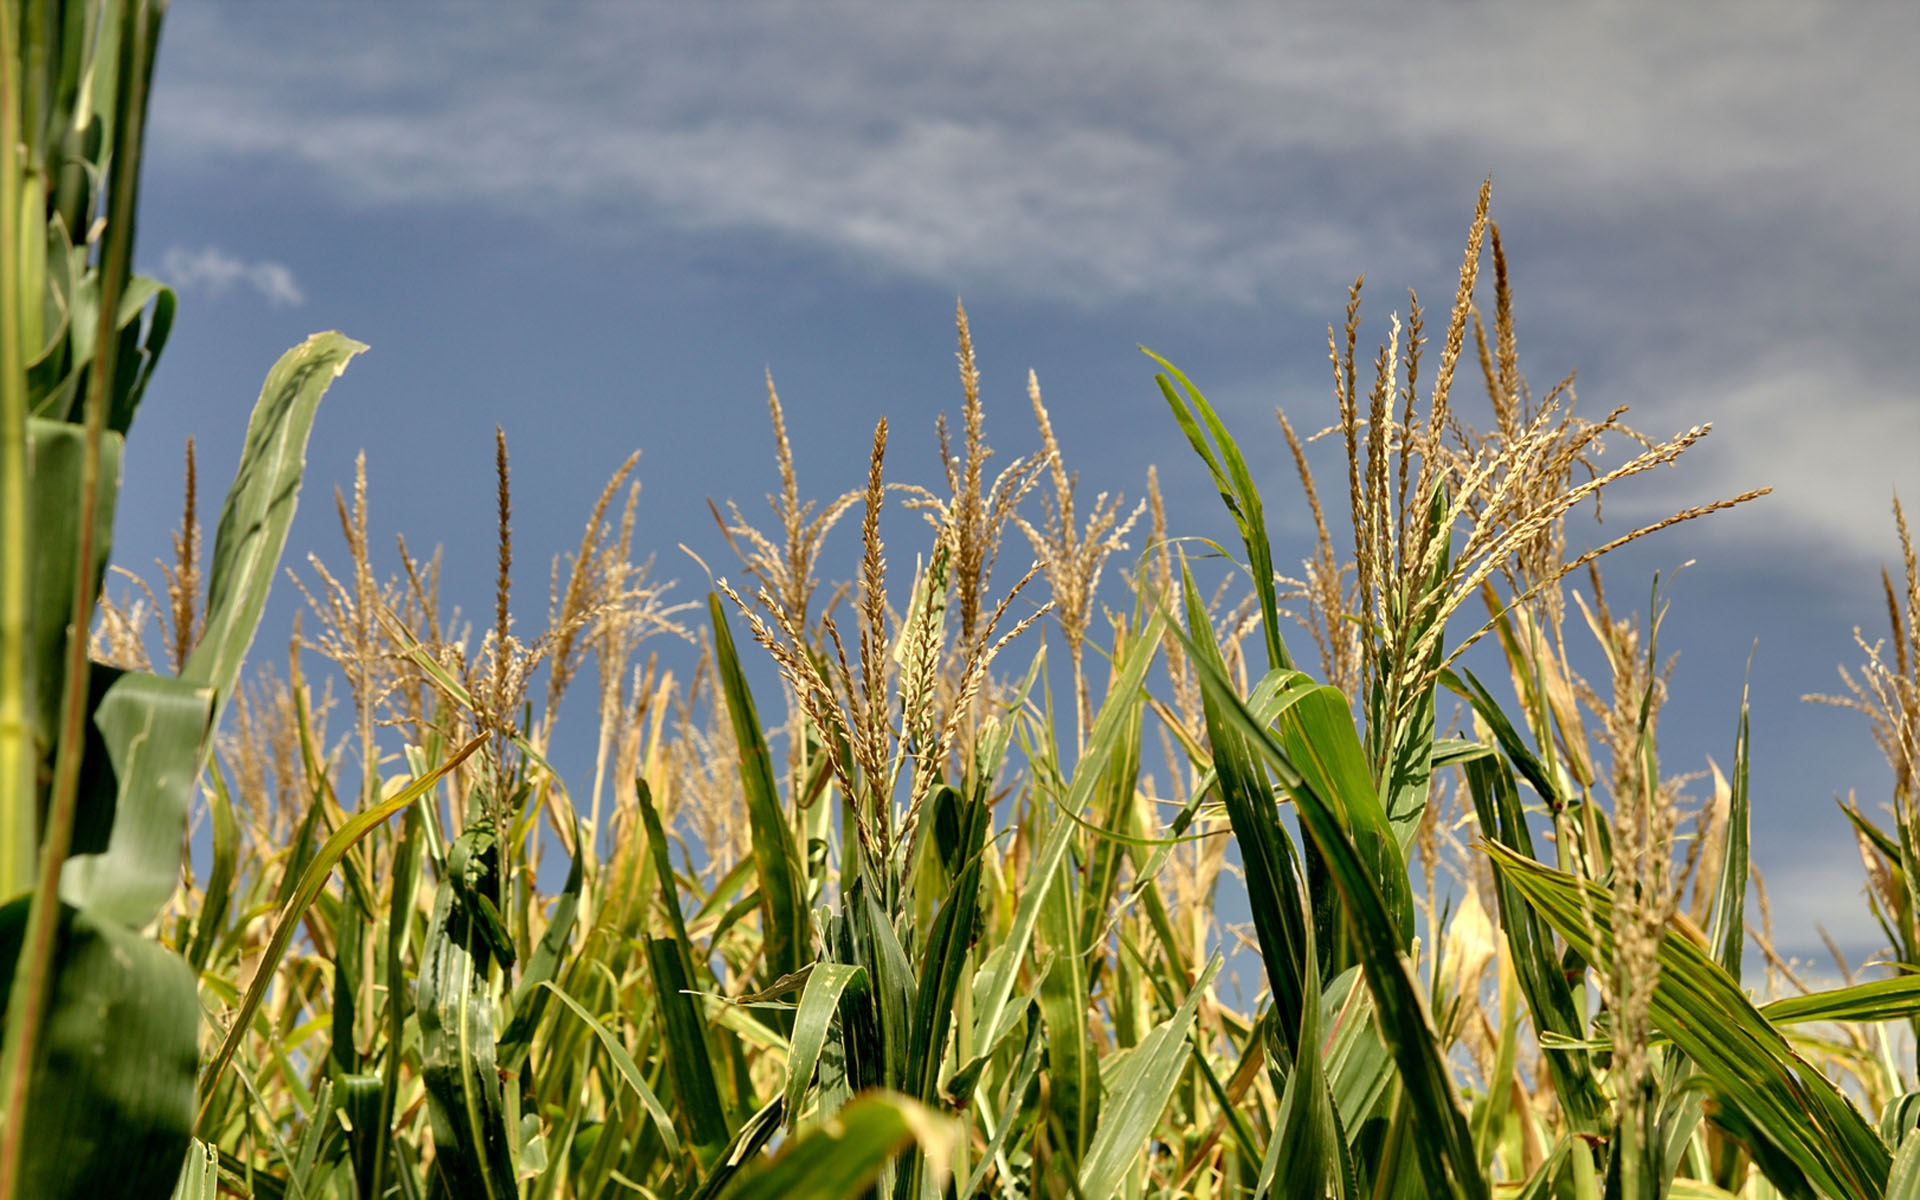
<point>894,925</point>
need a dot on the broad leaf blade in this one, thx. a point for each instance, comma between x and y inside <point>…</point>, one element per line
<point>259,507</point>
<point>1779,1102</point>
<point>783,889</point>
<point>1274,891</point>
<point>110,1103</point>
<point>819,1002</point>
<point>842,1156</point>
<point>154,729</point>
<point>1445,1142</point>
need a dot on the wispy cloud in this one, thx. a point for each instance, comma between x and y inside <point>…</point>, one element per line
<point>1831,434</point>
<point>214,271</point>
<point>1706,215</point>
<point>1061,154</point>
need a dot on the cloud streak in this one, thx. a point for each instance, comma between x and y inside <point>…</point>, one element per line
<point>216,272</point>
<point>1708,216</point>
<point>1060,154</point>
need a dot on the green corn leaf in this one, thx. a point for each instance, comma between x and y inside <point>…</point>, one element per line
<point>455,1008</point>
<point>1128,673</point>
<point>895,987</point>
<point>1893,999</point>
<point>1903,1181</point>
<point>1114,798</point>
<point>1073,1068</point>
<point>1788,1113</point>
<point>259,507</point>
<point>1359,1066</point>
<point>1727,929</point>
<point>843,1155</point>
<point>200,1175</point>
<point>1025,1071</point>
<point>1139,1090</point>
<point>671,963</point>
<point>1304,1157</point>
<point>783,889</point>
<point>629,1071</point>
<point>1321,744</point>
<point>292,911</point>
<point>819,1002</point>
<point>1446,1143</point>
<point>154,730</point>
<point>541,966</point>
<point>110,1102</point>
<point>1536,964</point>
<point>56,457</point>
<point>1475,693</point>
<point>1236,487</point>
<point>689,1066</point>
<point>944,961</point>
<point>754,1134</point>
<point>211,916</point>
<point>1267,854</point>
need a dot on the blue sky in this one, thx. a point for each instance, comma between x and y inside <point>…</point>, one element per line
<point>598,226</point>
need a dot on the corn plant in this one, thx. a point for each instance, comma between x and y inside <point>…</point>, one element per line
<point>99,765</point>
<point>882,921</point>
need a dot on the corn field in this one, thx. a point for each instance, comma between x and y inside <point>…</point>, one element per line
<point>885,897</point>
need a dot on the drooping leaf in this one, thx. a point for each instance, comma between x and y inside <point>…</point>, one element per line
<point>819,1003</point>
<point>154,730</point>
<point>1236,487</point>
<point>1781,1106</point>
<point>629,1071</point>
<point>259,507</point>
<point>1445,1143</point>
<point>313,878</point>
<point>1893,999</point>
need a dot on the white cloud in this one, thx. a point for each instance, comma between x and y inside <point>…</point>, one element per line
<point>1725,204</point>
<point>1066,150</point>
<point>1833,437</point>
<point>215,271</point>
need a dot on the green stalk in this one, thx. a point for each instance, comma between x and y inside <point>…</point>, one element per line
<point>31,985</point>
<point>16,738</point>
